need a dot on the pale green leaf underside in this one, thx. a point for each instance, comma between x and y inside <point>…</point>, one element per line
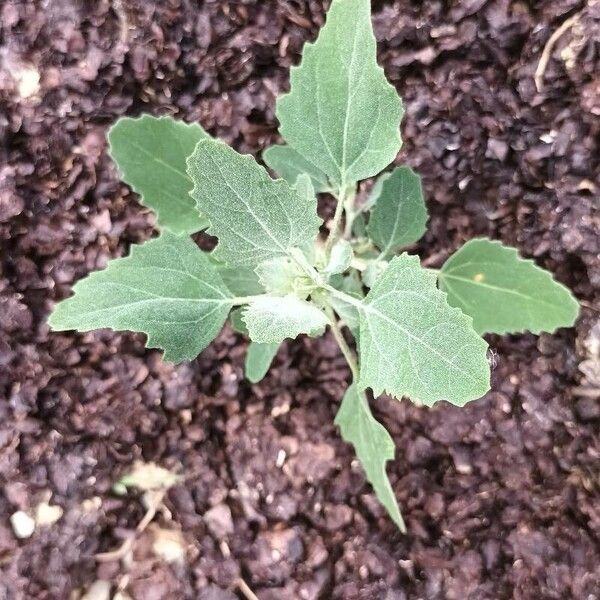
<point>399,215</point>
<point>289,164</point>
<point>503,292</point>
<point>150,153</point>
<point>341,113</point>
<point>166,288</point>
<point>373,445</point>
<point>258,360</point>
<point>412,343</point>
<point>373,271</point>
<point>340,257</point>
<point>271,319</point>
<point>375,192</point>
<point>255,217</point>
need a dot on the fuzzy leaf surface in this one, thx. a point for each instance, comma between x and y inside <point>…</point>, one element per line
<point>341,113</point>
<point>271,319</point>
<point>281,276</point>
<point>412,343</point>
<point>289,164</point>
<point>373,446</point>
<point>166,288</point>
<point>399,215</point>
<point>255,217</point>
<point>503,292</point>
<point>150,153</point>
<point>258,360</point>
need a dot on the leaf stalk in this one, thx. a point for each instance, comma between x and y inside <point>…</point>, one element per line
<point>341,342</point>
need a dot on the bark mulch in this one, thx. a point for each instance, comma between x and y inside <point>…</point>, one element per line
<point>501,498</point>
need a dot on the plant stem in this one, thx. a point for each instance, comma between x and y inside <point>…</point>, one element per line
<point>335,223</point>
<point>245,590</point>
<point>348,226</point>
<point>239,300</point>
<point>341,342</point>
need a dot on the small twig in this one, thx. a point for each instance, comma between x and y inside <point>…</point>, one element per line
<point>154,501</point>
<point>585,392</point>
<point>589,306</point>
<point>123,20</point>
<point>245,590</point>
<point>549,47</point>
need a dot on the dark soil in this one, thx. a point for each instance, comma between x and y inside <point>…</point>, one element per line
<point>502,498</point>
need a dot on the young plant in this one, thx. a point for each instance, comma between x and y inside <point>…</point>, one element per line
<point>417,331</point>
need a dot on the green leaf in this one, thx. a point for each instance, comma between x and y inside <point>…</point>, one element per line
<point>166,288</point>
<point>359,227</point>
<point>237,322</point>
<point>150,153</point>
<point>340,257</point>
<point>399,215</point>
<point>289,164</point>
<point>258,360</point>
<point>306,193</point>
<point>271,319</point>
<point>348,312</point>
<point>373,446</point>
<point>255,217</point>
<point>341,113</point>
<point>503,292</point>
<point>240,281</point>
<point>412,343</point>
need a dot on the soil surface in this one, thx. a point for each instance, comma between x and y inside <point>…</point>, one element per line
<point>501,498</point>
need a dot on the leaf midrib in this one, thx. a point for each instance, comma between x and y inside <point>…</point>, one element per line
<point>496,288</point>
<point>160,161</point>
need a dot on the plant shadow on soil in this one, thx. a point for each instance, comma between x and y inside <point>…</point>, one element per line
<point>500,498</point>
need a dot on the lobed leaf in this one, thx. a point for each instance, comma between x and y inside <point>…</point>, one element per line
<point>412,343</point>
<point>166,288</point>
<point>150,153</point>
<point>399,215</point>
<point>258,360</point>
<point>271,319</point>
<point>373,446</point>
<point>503,292</point>
<point>341,114</point>
<point>255,217</point>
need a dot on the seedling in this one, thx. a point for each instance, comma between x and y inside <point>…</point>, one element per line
<point>417,331</point>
